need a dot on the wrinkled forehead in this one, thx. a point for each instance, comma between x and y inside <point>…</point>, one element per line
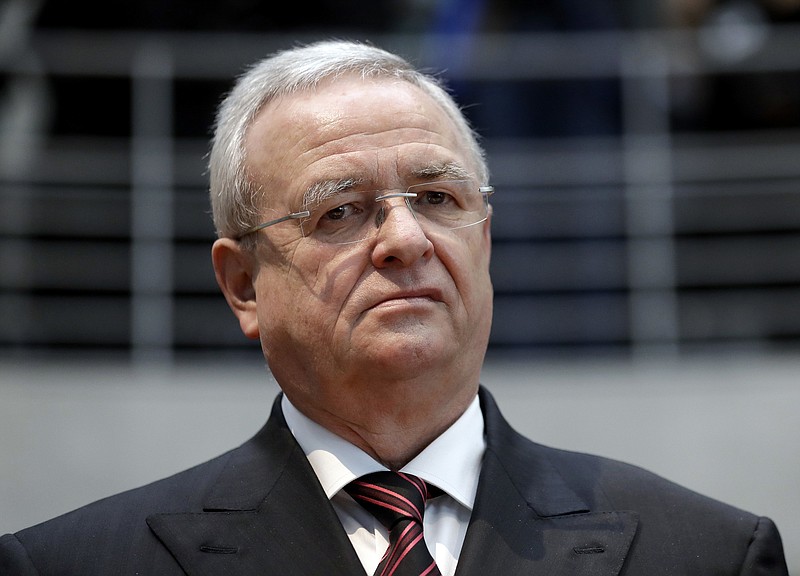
<point>379,132</point>
<point>320,109</point>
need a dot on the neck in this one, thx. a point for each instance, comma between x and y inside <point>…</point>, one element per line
<point>391,443</point>
<point>392,428</point>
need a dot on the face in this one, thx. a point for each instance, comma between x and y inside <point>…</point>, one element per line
<point>398,320</point>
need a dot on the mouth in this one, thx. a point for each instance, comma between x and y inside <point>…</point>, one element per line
<point>413,299</point>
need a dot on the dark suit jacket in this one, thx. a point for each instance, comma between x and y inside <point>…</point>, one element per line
<point>259,510</point>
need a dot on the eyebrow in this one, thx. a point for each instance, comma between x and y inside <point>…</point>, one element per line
<point>324,189</point>
<point>448,170</point>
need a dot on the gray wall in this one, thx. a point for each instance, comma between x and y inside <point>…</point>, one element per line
<point>725,426</point>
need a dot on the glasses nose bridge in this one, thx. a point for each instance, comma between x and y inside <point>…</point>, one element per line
<point>381,202</point>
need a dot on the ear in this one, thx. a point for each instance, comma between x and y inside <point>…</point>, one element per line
<point>235,272</point>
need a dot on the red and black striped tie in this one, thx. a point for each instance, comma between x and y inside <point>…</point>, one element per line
<point>397,500</point>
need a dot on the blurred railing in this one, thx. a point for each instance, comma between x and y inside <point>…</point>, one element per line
<point>656,234</point>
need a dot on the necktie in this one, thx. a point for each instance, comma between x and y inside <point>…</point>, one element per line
<point>397,500</point>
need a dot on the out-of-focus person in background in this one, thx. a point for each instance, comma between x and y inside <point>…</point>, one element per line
<point>732,31</point>
<point>351,201</point>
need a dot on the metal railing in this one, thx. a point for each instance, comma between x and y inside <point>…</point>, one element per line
<point>646,237</point>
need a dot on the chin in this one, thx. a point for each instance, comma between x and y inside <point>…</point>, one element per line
<point>410,354</point>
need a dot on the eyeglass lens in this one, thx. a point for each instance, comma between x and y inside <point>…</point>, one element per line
<point>354,216</point>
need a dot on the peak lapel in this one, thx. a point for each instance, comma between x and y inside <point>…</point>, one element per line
<point>247,527</point>
<point>527,520</point>
<point>306,539</point>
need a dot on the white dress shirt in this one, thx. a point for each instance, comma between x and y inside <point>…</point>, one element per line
<point>452,462</point>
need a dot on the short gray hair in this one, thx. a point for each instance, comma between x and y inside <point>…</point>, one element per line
<point>234,199</point>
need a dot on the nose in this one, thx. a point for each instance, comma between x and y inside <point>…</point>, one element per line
<point>400,239</point>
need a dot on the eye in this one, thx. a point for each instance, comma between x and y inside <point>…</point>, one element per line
<point>344,211</point>
<point>339,213</point>
<point>435,197</point>
<point>444,194</point>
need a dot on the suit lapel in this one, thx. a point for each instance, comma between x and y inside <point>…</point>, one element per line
<point>527,520</point>
<point>246,526</point>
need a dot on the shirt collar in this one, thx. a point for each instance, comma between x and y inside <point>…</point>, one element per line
<point>451,462</point>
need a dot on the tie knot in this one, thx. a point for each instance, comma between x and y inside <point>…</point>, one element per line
<point>397,500</point>
<point>390,496</point>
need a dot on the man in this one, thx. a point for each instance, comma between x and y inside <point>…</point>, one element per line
<point>351,201</point>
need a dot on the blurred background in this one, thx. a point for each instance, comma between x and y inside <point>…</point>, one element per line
<point>646,260</point>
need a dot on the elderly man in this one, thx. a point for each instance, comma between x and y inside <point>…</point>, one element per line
<point>351,201</point>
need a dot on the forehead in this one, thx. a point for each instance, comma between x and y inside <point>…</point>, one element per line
<point>380,130</point>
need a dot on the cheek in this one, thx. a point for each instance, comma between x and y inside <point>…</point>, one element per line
<point>334,279</point>
<point>308,294</point>
<point>468,265</point>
